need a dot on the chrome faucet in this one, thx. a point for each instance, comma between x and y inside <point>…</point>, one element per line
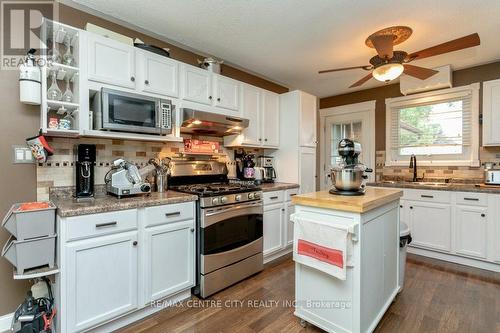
<point>413,164</point>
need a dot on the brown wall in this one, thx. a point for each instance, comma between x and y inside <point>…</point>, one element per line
<point>19,121</point>
<point>460,77</point>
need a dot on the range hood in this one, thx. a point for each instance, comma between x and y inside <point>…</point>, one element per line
<point>211,124</point>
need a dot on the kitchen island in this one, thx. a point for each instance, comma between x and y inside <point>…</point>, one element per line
<point>355,299</point>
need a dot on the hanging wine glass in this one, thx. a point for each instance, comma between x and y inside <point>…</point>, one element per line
<point>68,94</point>
<point>53,54</point>
<point>68,57</point>
<point>54,93</point>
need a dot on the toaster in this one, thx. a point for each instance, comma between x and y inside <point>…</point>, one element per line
<point>492,177</point>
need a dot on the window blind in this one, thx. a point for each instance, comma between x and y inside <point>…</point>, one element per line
<point>436,123</point>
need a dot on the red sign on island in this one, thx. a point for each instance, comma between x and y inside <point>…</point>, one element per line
<point>201,146</point>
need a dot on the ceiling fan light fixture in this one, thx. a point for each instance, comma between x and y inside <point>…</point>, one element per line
<point>388,72</point>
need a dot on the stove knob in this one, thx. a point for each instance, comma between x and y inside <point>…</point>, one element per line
<point>223,200</point>
<point>256,195</point>
<point>215,201</point>
<point>251,196</point>
<point>237,197</point>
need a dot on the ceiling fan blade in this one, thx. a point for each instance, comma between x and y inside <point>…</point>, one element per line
<point>452,45</point>
<point>360,82</point>
<point>366,68</point>
<point>384,45</point>
<point>419,72</point>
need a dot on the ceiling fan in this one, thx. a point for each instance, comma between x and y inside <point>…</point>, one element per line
<point>388,64</point>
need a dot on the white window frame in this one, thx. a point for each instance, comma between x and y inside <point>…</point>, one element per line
<point>392,103</point>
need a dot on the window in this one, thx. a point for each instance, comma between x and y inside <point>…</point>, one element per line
<point>439,127</point>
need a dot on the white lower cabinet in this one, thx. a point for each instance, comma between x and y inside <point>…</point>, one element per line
<point>460,227</point>
<point>430,225</point>
<point>116,263</point>
<point>101,279</point>
<point>278,229</point>
<point>471,231</point>
<point>273,228</point>
<point>290,209</point>
<point>167,247</point>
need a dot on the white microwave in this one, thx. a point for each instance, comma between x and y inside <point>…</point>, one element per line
<point>116,110</point>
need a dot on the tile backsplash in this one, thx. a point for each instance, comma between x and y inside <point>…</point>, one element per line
<point>441,173</point>
<point>59,169</point>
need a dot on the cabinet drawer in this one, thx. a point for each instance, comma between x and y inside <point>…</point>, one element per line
<point>169,213</point>
<point>472,199</point>
<point>94,225</point>
<point>428,195</point>
<point>273,197</point>
<point>290,193</point>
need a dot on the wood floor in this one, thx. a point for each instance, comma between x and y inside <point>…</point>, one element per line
<point>437,297</point>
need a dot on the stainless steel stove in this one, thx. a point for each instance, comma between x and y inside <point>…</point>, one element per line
<point>229,224</point>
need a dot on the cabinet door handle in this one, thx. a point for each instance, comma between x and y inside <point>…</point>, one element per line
<point>273,198</point>
<point>400,206</point>
<point>293,194</point>
<point>411,207</point>
<point>218,99</point>
<point>260,139</point>
<point>471,199</point>
<point>192,229</point>
<point>132,78</point>
<point>134,243</point>
<point>107,224</point>
<point>146,82</point>
<point>265,140</point>
<point>483,215</point>
<point>172,214</point>
<point>209,97</point>
<point>282,209</point>
<point>426,196</point>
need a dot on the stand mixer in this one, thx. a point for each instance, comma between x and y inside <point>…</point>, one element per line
<point>125,179</point>
<point>348,177</point>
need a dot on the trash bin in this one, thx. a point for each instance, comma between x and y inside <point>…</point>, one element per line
<point>404,240</point>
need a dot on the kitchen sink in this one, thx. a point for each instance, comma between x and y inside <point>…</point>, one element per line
<point>415,183</point>
<point>430,183</point>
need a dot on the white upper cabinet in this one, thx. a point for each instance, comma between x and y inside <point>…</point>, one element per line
<point>270,119</point>
<point>491,113</point>
<point>308,111</point>
<point>158,74</point>
<point>226,93</point>
<point>196,85</point>
<point>111,62</point>
<point>251,110</point>
<point>262,108</point>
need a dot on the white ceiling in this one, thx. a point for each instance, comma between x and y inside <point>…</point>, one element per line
<point>288,41</point>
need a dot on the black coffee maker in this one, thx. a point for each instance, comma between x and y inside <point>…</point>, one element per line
<point>84,171</point>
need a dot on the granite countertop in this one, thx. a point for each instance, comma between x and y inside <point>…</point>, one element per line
<point>67,206</point>
<point>458,187</point>
<point>373,198</point>
<point>268,187</point>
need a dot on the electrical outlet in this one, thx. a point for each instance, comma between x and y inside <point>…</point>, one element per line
<point>22,155</point>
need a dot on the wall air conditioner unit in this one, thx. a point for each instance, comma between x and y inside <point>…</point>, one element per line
<point>411,85</point>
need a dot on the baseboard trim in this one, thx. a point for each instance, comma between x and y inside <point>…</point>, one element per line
<point>276,255</point>
<point>455,259</point>
<point>5,322</point>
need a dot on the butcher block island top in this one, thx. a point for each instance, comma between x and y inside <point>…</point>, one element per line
<point>373,198</point>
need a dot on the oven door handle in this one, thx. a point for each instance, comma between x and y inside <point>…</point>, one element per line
<point>215,212</point>
<point>214,216</point>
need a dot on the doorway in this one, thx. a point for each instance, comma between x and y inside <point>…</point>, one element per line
<point>353,121</point>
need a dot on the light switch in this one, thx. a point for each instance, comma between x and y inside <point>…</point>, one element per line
<point>22,155</point>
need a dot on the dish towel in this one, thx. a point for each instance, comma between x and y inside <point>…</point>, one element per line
<point>322,245</point>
